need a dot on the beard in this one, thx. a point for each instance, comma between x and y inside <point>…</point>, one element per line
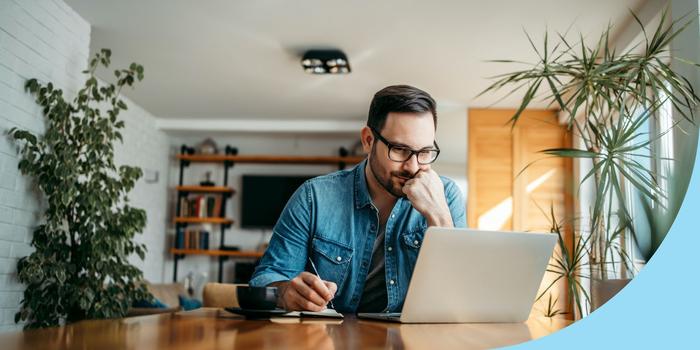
<point>394,182</point>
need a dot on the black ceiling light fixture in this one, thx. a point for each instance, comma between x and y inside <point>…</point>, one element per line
<point>325,62</point>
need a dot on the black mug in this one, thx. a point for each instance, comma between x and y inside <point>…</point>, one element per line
<point>257,298</point>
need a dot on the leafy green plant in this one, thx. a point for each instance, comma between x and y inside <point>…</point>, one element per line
<point>608,98</point>
<point>80,267</point>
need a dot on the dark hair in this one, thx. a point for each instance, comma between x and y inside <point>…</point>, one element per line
<point>399,98</point>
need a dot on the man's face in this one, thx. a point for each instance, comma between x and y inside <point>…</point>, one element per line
<point>413,130</point>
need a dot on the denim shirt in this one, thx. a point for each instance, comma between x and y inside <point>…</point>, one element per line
<point>331,219</point>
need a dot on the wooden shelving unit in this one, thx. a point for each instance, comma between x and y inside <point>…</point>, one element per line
<point>205,189</point>
<point>181,222</point>
<point>195,220</point>
<point>212,252</point>
<point>228,159</point>
<point>269,159</point>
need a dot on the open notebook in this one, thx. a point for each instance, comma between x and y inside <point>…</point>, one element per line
<point>251,313</point>
<point>325,313</point>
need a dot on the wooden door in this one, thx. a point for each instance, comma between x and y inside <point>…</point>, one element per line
<point>511,183</point>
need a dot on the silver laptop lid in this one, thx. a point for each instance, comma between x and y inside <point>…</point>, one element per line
<point>466,275</point>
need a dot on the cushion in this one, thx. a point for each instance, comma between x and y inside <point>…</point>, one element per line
<point>148,304</point>
<point>167,292</point>
<point>189,303</point>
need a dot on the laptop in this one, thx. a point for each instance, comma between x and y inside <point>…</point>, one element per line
<point>467,275</point>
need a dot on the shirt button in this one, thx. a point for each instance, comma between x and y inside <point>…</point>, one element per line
<point>393,215</point>
<point>339,259</point>
<point>389,249</point>
<point>391,281</point>
<point>416,242</point>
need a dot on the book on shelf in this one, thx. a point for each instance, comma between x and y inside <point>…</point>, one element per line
<point>210,206</point>
<point>192,239</point>
<point>201,206</point>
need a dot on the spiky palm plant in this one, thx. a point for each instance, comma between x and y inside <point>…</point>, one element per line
<point>608,98</point>
<point>568,265</point>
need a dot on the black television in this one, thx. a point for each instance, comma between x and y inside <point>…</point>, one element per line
<point>263,198</point>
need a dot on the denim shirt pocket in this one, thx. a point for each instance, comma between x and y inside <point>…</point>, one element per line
<point>332,259</point>
<point>412,240</point>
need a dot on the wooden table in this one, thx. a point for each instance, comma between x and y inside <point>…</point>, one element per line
<point>218,329</point>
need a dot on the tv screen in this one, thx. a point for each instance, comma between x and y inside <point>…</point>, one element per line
<point>263,198</point>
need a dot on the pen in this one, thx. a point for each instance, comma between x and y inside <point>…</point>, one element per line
<point>319,276</point>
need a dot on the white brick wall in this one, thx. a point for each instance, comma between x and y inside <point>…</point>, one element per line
<point>148,148</point>
<point>46,39</point>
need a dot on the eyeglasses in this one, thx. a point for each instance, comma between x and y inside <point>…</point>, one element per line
<point>398,153</point>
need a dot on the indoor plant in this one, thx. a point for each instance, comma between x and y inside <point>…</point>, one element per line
<point>608,100</point>
<point>80,267</point>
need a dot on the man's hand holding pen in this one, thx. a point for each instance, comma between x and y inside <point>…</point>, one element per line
<point>305,292</point>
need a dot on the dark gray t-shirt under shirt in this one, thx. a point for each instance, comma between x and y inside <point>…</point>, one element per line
<point>374,298</point>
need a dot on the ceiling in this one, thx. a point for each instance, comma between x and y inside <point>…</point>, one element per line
<point>240,59</point>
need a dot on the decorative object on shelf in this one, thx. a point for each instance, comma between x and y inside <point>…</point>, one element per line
<point>80,267</point>
<point>207,180</point>
<point>208,146</point>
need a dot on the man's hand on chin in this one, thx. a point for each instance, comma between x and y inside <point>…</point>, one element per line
<point>427,194</point>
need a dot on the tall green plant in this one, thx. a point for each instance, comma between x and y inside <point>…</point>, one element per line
<point>80,267</point>
<point>607,98</point>
<point>569,266</point>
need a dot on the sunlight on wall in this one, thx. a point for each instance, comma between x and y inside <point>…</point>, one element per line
<point>496,217</point>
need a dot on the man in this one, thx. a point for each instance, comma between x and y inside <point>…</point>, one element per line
<point>363,227</point>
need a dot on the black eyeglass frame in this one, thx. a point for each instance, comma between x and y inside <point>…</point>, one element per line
<point>390,146</point>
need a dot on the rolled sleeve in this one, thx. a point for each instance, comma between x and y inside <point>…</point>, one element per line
<point>266,278</point>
